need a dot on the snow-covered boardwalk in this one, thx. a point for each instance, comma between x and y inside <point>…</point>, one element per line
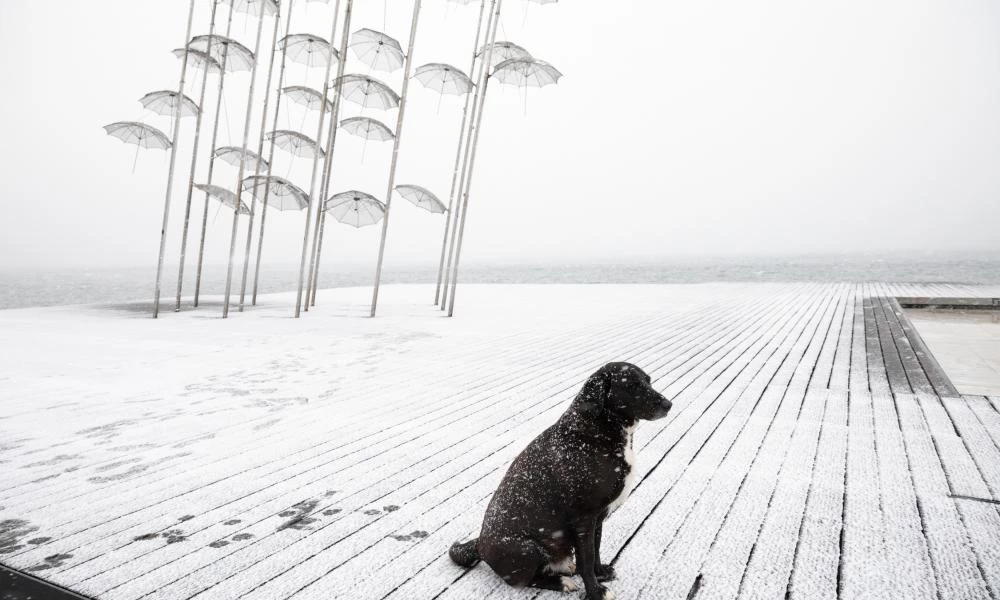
<point>814,450</point>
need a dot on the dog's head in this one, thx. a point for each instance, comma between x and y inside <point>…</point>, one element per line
<point>622,390</point>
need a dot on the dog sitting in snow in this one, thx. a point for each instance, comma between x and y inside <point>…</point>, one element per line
<point>544,521</point>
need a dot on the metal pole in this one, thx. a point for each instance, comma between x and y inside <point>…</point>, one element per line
<point>315,170</point>
<point>260,153</point>
<point>484,68</point>
<point>458,154</point>
<point>395,153</point>
<point>211,158</point>
<point>270,158</point>
<point>243,162</point>
<point>478,127</point>
<point>194,154</point>
<point>173,162</point>
<point>328,163</point>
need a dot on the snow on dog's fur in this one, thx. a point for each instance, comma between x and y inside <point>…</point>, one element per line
<point>545,520</point>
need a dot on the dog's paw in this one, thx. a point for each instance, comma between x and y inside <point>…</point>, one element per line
<point>569,585</point>
<point>605,573</point>
<point>601,593</point>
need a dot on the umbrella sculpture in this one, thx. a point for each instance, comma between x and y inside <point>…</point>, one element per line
<point>224,50</point>
<point>170,173</point>
<point>226,197</point>
<point>327,172</point>
<point>169,104</point>
<point>369,129</point>
<point>283,45</point>
<point>504,51</point>
<point>317,155</point>
<point>277,192</point>
<point>307,49</point>
<point>526,72</point>
<point>377,50</point>
<point>462,151</point>
<point>261,14</point>
<point>249,6</point>
<point>307,97</point>
<point>198,59</point>
<point>422,197</point>
<point>367,91</point>
<point>295,143</point>
<point>444,79</point>
<point>208,65</point>
<point>355,208</point>
<point>407,73</point>
<point>235,155</point>
<point>142,135</point>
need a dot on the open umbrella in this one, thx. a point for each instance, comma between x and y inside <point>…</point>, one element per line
<point>367,91</point>
<point>422,197</point>
<point>355,208</point>
<point>444,79</point>
<point>526,72</point>
<point>224,50</point>
<point>369,129</point>
<point>503,51</point>
<point>295,143</point>
<point>142,135</point>
<point>307,49</point>
<point>280,193</point>
<point>169,104</point>
<point>307,97</point>
<point>377,50</point>
<point>223,195</point>
<point>198,59</point>
<point>234,155</point>
<point>250,6</point>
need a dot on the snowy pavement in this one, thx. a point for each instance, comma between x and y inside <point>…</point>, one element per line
<point>815,450</point>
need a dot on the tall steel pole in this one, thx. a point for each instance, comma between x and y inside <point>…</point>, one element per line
<point>194,154</point>
<point>270,158</point>
<point>395,153</point>
<point>458,153</point>
<point>485,81</point>
<point>243,161</point>
<point>484,69</point>
<point>173,162</point>
<point>313,200</point>
<point>260,153</point>
<point>211,158</point>
<point>331,145</point>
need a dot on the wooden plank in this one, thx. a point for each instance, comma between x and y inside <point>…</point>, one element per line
<point>840,375</point>
<point>878,377</point>
<point>915,374</point>
<point>942,385</point>
<point>898,381</point>
<point>859,379</point>
<point>978,442</point>
<point>817,552</point>
<point>987,415</point>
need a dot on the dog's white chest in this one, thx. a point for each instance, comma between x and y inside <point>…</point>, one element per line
<point>629,455</point>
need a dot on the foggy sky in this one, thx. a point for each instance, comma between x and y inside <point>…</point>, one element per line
<point>680,128</point>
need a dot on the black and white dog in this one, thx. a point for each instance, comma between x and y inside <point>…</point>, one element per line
<point>544,521</point>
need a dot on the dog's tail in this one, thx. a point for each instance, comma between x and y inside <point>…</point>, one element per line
<point>465,555</point>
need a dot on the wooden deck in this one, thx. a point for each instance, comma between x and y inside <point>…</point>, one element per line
<point>815,450</point>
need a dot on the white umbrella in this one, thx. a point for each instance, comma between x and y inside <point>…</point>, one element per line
<point>377,50</point>
<point>280,193</point>
<point>307,49</point>
<point>422,197</point>
<point>223,195</point>
<point>307,97</point>
<point>503,51</point>
<point>142,135</point>
<point>237,56</point>
<point>295,143</point>
<point>355,208</point>
<point>234,155</point>
<point>367,91</point>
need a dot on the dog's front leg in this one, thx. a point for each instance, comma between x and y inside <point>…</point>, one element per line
<point>586,560</point>
<point>604,572</point>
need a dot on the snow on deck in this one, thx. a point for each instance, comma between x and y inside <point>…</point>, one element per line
<point>815,449</point>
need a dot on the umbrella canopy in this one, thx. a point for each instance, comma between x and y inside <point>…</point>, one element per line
<point>355,208</point>
<point>444,79</point>
<point>281,193</point>
<point>198,59</point>
<point>238,56</point>
<point>503,51</point>
<point>370,129</point>
<point>169,103</point>
<point>377,50</point>
<point>526,72</point>
<point>307,97</point>
<point>367,91</point>
<point>307,49</point>
<point>222,195</point>
<point>295,143</point>
<point>422,197</point>
<point>140,134</point>
<point>252,7</point>
<point>235,155</point>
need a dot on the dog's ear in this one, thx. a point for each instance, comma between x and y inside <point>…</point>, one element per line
<point>596,391</point>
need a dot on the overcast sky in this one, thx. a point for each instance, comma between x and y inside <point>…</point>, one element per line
<point>716,126</point>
